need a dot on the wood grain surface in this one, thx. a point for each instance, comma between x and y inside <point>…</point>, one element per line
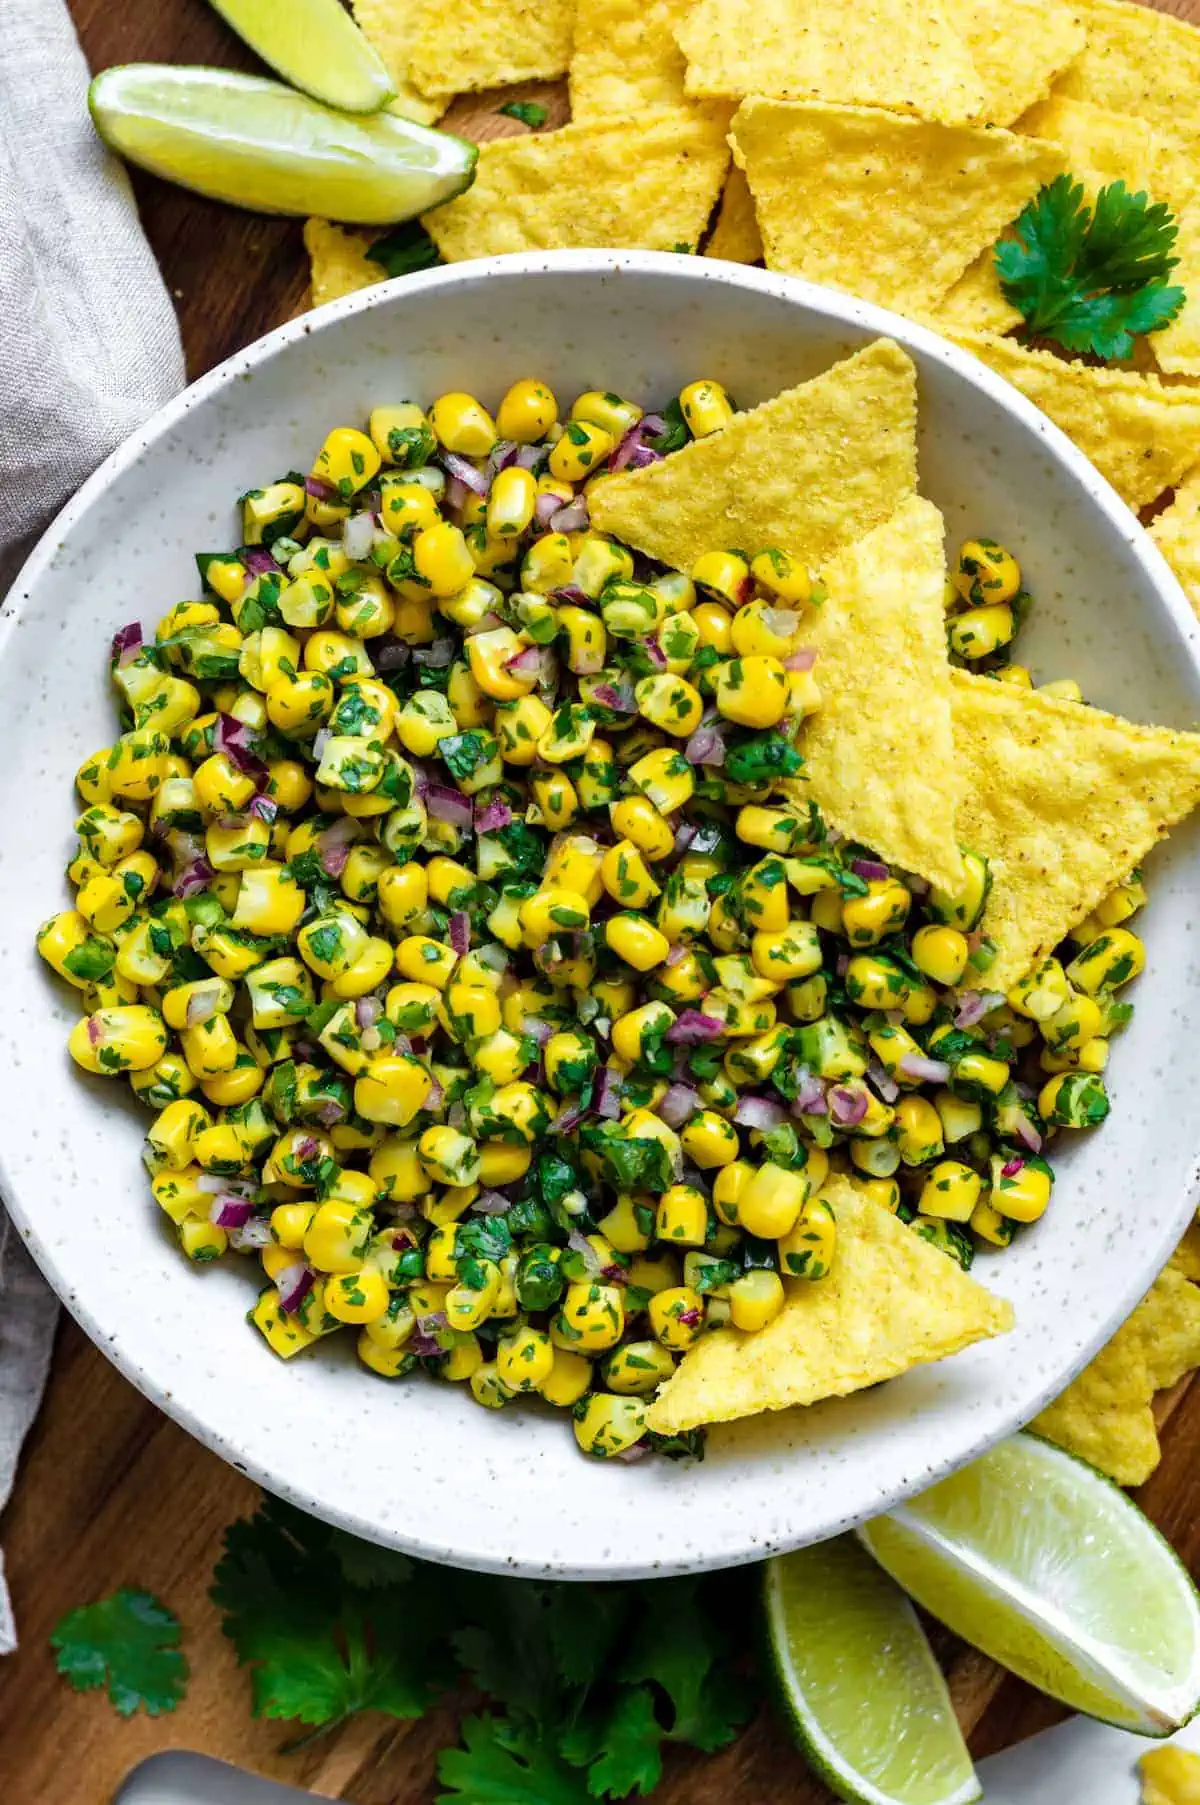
<point>111,1492</point>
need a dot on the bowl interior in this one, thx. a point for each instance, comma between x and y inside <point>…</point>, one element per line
<point>420,1465</point>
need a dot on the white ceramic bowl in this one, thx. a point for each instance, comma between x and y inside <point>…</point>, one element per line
<point>416,1464</point>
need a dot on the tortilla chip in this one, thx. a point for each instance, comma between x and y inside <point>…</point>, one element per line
<point>879,751</point>
<point>338,261</point>
<point>487,43</point>
<point>890,1302</point>
<point>1138,433</point>
<point>736,236</point>
<point>388,26</point>
<point>1176,532</point>
<point>1170,1776</point>
<point>935,195</point>
<point>975,303</point>
<point>900,54</point>
<point>1063,801</point>
<point>1166,1326</point>
<point>1103,146</point>
<point>1104,1416</point>
<point>1177,346</point>
<point>1137,60</point>
<point>809,470</point>
<point>626,60</point>
<point>1186,1258</point>
<point>1018,47</point>
<point>582,187</point>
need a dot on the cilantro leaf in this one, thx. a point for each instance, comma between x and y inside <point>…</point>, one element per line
<point>529,112</point>
<point>676,1645</point>
<point>621,1748</point>
<point>1091,278</point>
<point>675,434</point>
<point>404,249</point>
<point>320,1647</point>
<point>129,1644</point>
<point>503,1763</point>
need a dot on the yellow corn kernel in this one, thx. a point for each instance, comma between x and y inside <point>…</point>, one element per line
<point>709,1140</point>
<point>549,564</point>
<point>527,412</point>
<point>462,424</point>
<point>807,1251</point>
<point>752,691</point>
<point>510,502</point>
<point>676,1316</point>
<point>883,910</point>
<point>682,1216</point>
<point>706,408</point>
<point>284,1334</point>
<point>581,450</point>
<point>755,1299</point>
<point>606,1425</point>
<point>525,1359</point>
<point>357,1297</point>
<point>604,409</point>
<point>401,435</point>
<point>778,572</point>
<point>396,1171</point>
<point>403,895</point>
<point>337,1235</point>
<point>299,705</point>
<point>556,798</point>
<point>715,624</point>
<point>592,1316</point>
<point>951,1191</point>
<point>986,572</point>
<point>919,1135</point>
<point>392,1089</point>
<point>1107,962</point>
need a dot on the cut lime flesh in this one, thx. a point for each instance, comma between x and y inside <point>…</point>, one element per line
<point>315,45</point>
<point>860,1686</point>
<point>257,144</point>
<point>1048,1567</point>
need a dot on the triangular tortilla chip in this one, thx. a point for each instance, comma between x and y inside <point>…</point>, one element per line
<point>975,303</point>
<point>900,54</point>
<point>626,60</point>
<point>1176,532</point>
<point>808,471</point>
<point>338,261</point>
<point>890,1302</point>
<point>1166,1325</point>
<point>1137,60</point>
<point>388,26</point>
<point>1177,346</point>
<point>1018,47</point>
<point>1103,146</point>
<point>1063,801</point>
<point>736,236</point>
<point>478,44</point>
<point>1186,1258</point>
<point>1104,1416</point>
<point>1139,434</point>
<point>935,195</point>
<point>581,187</point>
<point>879,751</point>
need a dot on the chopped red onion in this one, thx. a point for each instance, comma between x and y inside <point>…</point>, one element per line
<point>620,699</point>
<point>491,819</point>
<point>366,1011</point>
<point>842,964</point>
<point>593,1265</point>
<point>436,1097</point>
<point>1011,1167</point>
<point>973,1005</point>
<point>705,747</point>
<point>568,1119</point>
<point>229,1211</point>
<point>782,622</point>
<point>464,471</point>
<point>494,956</point>
<point>308,1148</point>
<point>545,507</point>
<point>691,1025</point>
<point>630,1456</point>
<point>871,869</point>
<point>425,1347</point>
<point>456,495</point>
<point>810,1094</point>
<point>847,1107</point>
<point>529,457</point>
<point>236,740</point>
<point>358,536</point>
<point>674,955</point>
<point>606,1098</point>
<point>127,643</point>
<point>685,833</point>
<point>633,449</point>
<point>654,653</point>
<point>213,1185</point>
<point>252,1234</point>
<point>391,654</point>
<point>484,624</point>
<point>260,562</point>
<point>333,845</point>
<point>460,932</point>
<point>321,739</point>
<point>293,1284</point>
<point>1025,1131</point>
<point>194,877</point>
<point>802,659</point>
<point>571,519</point>
<point>572,594</point>
<point>437,655</point>
<point>536,1029</point>
<point>923,1069</point>
<point>491,1203</point>
<point>759,1112</point>
<point>503,453</point>
<point>525,663</point>
<point>95,1030</point>
<point>432,1321</point>
<point>679,1103</point>
<point>614,1274</point>
<point>263,808</point>
<point>886,1085</point>
<point>691,1319</point>
<point>329,1112</point>
<point>445,804</point>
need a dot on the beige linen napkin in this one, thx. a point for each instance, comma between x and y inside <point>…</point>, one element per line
<point>88,348</point>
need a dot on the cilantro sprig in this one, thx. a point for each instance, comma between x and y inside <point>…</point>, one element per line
<point>1091,278</point>
<point>129,1644</point>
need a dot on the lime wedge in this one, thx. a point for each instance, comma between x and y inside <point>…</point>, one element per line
<point>865,1698</point>
<point>315,45</point>
<point>257,144</point>
<point>1049,1568</point>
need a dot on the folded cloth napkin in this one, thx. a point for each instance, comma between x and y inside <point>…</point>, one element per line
<point>89,347</point>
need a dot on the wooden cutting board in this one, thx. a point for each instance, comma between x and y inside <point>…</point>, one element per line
<point>110,1491</point>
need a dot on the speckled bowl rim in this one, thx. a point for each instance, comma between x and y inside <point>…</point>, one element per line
<point>833,306</point>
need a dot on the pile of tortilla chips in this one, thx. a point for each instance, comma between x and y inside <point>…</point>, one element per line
<point>916,759</point>
<point>880,147</point>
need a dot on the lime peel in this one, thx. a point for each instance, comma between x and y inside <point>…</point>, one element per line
<point>315,45</point>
